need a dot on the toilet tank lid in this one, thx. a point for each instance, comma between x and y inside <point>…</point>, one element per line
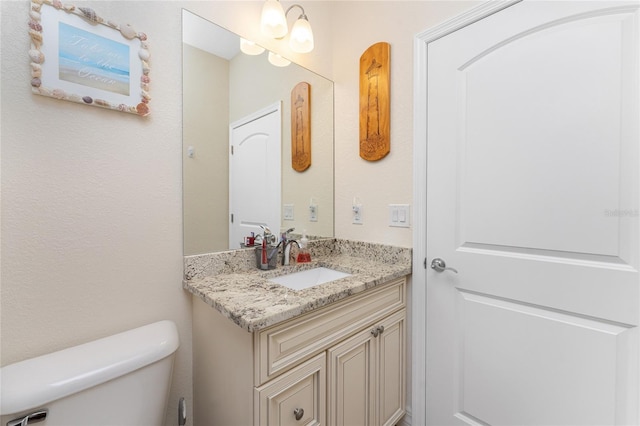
<point>35,382</point>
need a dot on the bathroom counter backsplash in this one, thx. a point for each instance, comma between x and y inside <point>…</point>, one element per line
<point>231,283</point>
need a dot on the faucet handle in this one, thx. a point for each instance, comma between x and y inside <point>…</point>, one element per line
<point>268,236</point>
<point>284,236</point>
<point>265,229</point>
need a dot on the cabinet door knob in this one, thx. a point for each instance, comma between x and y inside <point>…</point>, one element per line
<point>298,412</point>
<point>377,331</point>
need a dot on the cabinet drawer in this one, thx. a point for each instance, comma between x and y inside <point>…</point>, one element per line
<point>297,397</point>
<point>282,346</point>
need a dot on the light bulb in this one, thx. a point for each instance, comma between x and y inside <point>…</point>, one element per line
<point>301,38</point>
<point>273,22</point>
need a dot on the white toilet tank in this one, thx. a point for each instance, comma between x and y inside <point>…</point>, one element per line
<point>121,380</point>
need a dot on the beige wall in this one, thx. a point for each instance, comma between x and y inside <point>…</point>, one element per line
<point>356,25</point>
<point>92,203</point>
<point>208,108</point>
<point>91,199</point>
<point>206,129</point>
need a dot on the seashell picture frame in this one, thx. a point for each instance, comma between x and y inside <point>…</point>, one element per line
<point>78,56</point>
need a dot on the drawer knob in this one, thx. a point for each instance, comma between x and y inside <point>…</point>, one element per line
<point>377,331</point>
<point>298,412</point>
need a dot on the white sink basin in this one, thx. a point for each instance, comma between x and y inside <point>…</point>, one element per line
<point>308,278</point>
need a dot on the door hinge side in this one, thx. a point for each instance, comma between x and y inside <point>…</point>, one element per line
<point>231,149</point>
<point>231,217</point>
<point>425,263</point>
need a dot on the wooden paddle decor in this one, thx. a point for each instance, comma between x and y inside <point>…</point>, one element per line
<point>375,141</point>
<point>301,127</point>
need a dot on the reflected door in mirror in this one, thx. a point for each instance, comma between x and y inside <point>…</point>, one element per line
<point>255,174</point>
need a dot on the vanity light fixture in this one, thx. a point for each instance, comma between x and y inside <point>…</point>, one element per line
<point>274,24</point>
<point>301,38</point>
<point>278,60</point>
<point>250,48</point>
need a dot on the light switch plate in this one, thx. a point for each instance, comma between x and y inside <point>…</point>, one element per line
<point>288,212</point>
<point>399,215</point>
<point>313,213</point>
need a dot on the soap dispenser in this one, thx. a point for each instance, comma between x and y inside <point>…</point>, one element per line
<point>303,254</point>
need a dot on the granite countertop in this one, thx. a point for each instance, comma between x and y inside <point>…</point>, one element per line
<point>251,301</point>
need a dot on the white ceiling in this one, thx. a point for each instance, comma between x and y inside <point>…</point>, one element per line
<point>207,36</point>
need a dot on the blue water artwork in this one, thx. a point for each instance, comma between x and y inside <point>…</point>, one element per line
<point>91,60</point>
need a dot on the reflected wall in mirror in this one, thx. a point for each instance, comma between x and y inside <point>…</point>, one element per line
<point>221,85</point>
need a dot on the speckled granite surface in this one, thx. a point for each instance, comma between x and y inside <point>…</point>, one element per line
<point>231,283</point>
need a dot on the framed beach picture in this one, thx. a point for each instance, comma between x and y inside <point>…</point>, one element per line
<point>78,56</point>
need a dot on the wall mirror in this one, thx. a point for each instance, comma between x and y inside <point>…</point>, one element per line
<point>222,86</point>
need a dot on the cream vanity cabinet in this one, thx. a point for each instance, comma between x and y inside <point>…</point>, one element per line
<point>343,364</point>
<point>366,375</point>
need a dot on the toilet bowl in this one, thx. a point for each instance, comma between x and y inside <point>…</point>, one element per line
<point>120,380</point>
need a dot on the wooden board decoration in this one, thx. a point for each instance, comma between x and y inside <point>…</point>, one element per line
<point>301,127</point>
<point>375,141</point>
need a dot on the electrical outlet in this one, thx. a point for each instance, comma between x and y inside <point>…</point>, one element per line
<point>357,214</point>
<point>313,212</point>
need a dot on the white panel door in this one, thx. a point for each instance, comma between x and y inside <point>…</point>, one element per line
<point>532,196</point>
<point>255,175</point>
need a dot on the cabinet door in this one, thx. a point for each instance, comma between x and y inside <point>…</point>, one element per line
<point>367,375</point>
<point>392,369</point>
<point>297,397</point>
<point>352,381</point>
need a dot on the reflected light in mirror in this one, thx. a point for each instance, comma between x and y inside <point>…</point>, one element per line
<point>278,60</point>
<point>250,47</point>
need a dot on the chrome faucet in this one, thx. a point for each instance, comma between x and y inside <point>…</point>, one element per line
<point>266,250</point>
<point>287,251</point>
<point>286,246</point>
<point>268,236</point>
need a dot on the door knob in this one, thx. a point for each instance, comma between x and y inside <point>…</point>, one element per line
<point>31,418</point>
<point>298,413</point>
<point>440,266</point>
